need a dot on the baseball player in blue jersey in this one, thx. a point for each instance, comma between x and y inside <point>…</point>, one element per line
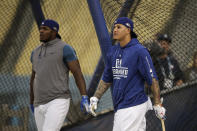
<point>49,92</point>
<point>128,68</point>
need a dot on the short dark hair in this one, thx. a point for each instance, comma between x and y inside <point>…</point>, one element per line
<point>133,34</point>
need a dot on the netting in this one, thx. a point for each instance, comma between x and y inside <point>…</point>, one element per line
<point>181,116</point>
<point>19,36</point>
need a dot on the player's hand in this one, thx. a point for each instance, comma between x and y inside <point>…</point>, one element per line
<point>93,105</point>
<point>85,104</point>
<point>32,107</point>
<point>160,111</point>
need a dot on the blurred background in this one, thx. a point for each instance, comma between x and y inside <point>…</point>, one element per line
<point>19,35</point>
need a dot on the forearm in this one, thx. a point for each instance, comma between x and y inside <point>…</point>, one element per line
<point>31,87</point>
<point>75,68</point>
<point>79,79</point>
<point>155,91</point>
<point>31,94</point>
<point>102,87</point>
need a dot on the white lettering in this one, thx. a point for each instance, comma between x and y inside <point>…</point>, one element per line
<point>119,71</point>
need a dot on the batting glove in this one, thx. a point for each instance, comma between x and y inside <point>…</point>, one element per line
<point>160,111</point>
<point>93,105</point>
<point>32,107</point>
<point>84,103</point>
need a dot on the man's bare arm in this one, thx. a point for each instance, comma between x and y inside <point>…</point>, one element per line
<point>156,91</point>
<point>102,87</point>
<point>75,68</point>
<point>31,87</point>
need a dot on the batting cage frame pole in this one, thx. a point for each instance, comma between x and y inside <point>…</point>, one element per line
<point>103,38</point>
<point>100,25</point>
<point>37,11</point>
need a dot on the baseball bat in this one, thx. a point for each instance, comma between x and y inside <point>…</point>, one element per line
<point>163,125</point>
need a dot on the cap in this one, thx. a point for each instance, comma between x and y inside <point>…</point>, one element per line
<point>52,25</point>
<point>125,21</point>
<point>128,23</point>
<point>165,37</point>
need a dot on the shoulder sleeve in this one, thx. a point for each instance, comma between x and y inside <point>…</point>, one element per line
<point>31,58</point>
<point>69,54</point>
<point>145,66</point>
<point>108,75</point>
<point>178,72</point>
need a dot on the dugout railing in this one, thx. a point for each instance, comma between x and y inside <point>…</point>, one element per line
<point>181,114</point>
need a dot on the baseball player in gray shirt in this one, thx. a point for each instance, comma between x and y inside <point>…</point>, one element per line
<point>49,91</point>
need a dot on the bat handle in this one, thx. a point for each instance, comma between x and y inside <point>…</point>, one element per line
<point>163,125</point>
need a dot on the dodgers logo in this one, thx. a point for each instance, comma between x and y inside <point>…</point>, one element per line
<point>119,71</point>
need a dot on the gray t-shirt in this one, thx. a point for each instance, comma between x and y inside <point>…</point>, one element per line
<point>52,74</point>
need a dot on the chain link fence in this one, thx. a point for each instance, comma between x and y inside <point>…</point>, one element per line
<point>19,36</point>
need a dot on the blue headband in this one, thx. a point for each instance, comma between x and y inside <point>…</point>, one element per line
<point>125,21</point>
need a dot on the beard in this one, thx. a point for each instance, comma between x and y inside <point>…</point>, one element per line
<point>46,40</point>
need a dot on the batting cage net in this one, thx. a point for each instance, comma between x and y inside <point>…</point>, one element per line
<point>20,35</point>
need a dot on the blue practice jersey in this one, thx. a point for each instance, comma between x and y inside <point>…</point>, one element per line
<point>127,68</point>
